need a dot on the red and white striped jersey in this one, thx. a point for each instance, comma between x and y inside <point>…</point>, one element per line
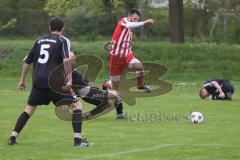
<point>121,39</point>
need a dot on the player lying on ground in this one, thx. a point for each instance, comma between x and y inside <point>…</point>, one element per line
<point>102,99</point>
<point>47,53</point>
<point>121,55</point>
<point>217,89</point>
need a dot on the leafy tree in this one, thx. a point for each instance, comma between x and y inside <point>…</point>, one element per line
<point>90,17</point>
<point>89,8</point>
<point>23,17</point>
<point>10,24</point>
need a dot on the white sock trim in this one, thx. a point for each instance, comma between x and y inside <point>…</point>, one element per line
<point>77,135</point>
<point>14,133</point>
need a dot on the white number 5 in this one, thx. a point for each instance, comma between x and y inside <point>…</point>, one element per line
<point>44,52</point>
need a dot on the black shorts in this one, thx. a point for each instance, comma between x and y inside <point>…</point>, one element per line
<point>227,87</point>
<point>228,90</point>
<point>43,96</point>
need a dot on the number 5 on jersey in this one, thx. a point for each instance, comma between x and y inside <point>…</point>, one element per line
<point>44,52</point>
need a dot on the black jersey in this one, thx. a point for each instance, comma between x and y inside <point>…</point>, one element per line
<point>225,85</point>
<point>208,85</point>
<point>78,80</point>
<point>47,53</point>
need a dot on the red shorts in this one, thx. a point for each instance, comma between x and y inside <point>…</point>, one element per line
<point>119,64</point>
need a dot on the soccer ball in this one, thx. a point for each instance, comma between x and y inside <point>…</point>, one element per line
<point>196,117</point>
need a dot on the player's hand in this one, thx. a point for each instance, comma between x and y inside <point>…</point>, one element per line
<point>149,22</point>
<point>222,95</point>
<point>67,87</point>
<point>209,97</point>
<point>22,85</point>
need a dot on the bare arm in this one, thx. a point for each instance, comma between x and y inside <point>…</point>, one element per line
<point>215,83</point>
<point>68,71</point>
<point>22,83</point>
<point>67,62</point>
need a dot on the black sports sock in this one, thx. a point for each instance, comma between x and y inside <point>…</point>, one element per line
<point>77,121</point>
<point>22,120</point>
<point>77,140</point>
<point>118,106</point>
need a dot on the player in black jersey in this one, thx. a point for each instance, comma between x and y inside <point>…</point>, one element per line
<point>47,53</point>
<point>217,89</point>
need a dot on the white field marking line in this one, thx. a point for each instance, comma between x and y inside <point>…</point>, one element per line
<point>6,90</point>
<point>186,84</point>
<point>129,151</point>
<point>154,148</point>
<point>218,145</point>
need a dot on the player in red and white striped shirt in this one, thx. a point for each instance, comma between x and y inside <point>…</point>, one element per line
<point>121,55</point>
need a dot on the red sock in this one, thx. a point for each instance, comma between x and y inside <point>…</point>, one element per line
<point>139,82</point>
<point>139,75</point>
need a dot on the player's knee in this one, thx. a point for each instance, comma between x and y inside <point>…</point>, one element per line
<point>113,94</point>
<point>110,103</point>
<point>116,95</point>
<point>135,64</point>
<point>76,106</point>
<point>30,110</point>
<point>138,66</point>
<point>115,85</point>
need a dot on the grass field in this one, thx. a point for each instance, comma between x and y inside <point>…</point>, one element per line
<point>47,137</point>
<point>158,128</point>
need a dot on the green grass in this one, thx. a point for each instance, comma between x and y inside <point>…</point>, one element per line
<point>185,62</point>
<point>47,137</point>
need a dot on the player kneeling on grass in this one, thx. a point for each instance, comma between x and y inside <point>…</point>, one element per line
<point>217,89</point>
<point>47,53</point>
<point>102,99</point>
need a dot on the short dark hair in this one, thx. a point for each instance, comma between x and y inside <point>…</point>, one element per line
<point>56,24</point>
<point>133,10</point>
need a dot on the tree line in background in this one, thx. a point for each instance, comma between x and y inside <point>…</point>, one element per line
<point>212,20</point>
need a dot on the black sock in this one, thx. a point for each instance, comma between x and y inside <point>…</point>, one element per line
<point>77,122</point>
<point>77,140</point>
<point>118,106</point>
<point>22,120</point>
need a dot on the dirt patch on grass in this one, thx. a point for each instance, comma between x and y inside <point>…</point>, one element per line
<point>3,54</point>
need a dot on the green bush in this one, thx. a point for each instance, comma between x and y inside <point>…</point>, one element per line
<point>185,62</point>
